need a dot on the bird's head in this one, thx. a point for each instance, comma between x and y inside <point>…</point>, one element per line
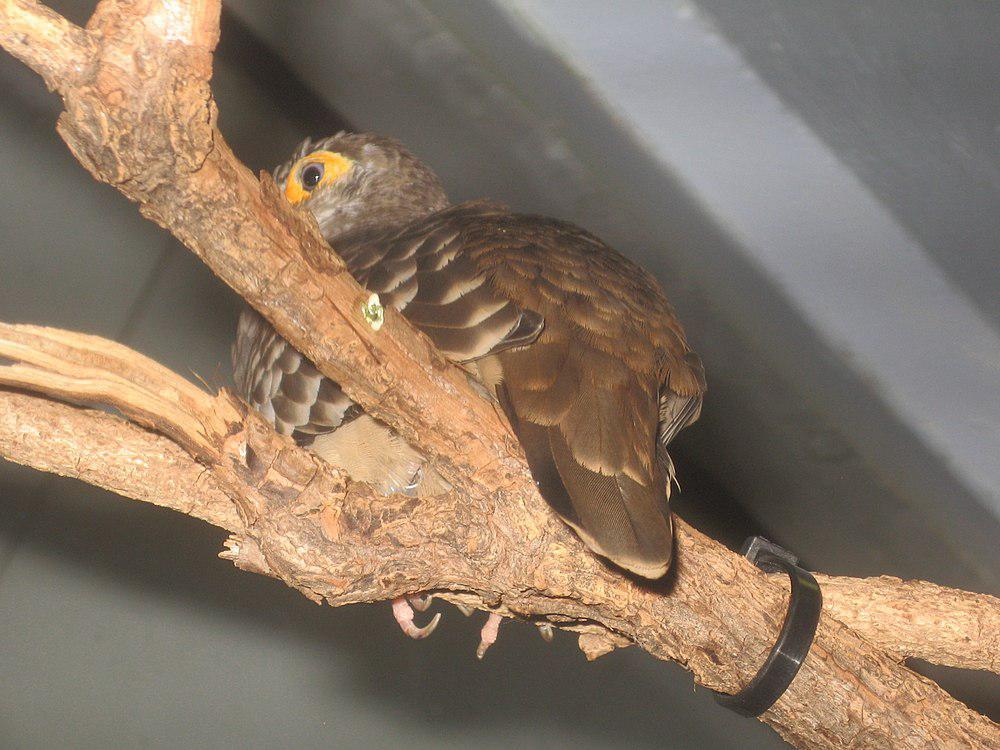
<point>353,181</point>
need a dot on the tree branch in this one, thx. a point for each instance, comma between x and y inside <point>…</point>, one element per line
<point>108,452</point>
<point>303,521</point>
<point>56,49</point>
<point>139,115</point>
<point>905,618</point>
<point>919,619</point>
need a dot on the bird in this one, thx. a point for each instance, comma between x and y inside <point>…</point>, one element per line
<point>577,344</point>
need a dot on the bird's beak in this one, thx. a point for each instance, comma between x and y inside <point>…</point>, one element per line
<point>294,193</point>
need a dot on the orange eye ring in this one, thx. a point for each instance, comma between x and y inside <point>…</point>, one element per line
<point>312,171</point>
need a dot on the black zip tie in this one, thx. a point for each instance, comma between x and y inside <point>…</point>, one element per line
<point>797,632</point>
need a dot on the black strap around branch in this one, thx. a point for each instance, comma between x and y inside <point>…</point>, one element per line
<point>796,636</point>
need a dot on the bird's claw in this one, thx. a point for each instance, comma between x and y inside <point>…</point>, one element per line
<point>488,635</point>
<point>403,613</point>
<point>420,602</point>
<point>465,609</point>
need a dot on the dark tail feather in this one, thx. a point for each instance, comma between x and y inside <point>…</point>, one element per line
<point>618,518</point>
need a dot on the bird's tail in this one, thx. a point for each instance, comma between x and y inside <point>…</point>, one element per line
<point>621,519</point>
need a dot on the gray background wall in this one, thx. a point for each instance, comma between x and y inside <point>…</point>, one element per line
<point>815,184</point>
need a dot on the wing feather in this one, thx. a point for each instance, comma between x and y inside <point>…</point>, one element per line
<point>591,365</point>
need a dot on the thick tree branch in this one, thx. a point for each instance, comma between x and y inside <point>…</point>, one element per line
<point>906,618</point>
<point>919,619</point>
<point>139,115</point>
<point>108,452</point>
<point>56,49</point>
<point>303,521</point>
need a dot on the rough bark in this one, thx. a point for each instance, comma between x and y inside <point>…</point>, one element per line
<point>919,619</point>
<point>139,115</point>
<point>905,618</point>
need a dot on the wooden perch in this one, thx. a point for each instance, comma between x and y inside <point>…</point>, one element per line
<point>139,115</point>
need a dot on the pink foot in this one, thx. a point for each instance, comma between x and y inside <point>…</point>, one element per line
<point>403,613</point>
<point>488,635</point>
<point>420,602</point>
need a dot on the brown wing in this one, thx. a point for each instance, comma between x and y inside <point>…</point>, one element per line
<point>586,356</point>
<point>429,272</point>
<point>423,271</point>
<point>585,398</point>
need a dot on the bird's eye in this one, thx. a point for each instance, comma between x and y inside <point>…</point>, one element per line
<point>313,170</point>
<point>311,175</point>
